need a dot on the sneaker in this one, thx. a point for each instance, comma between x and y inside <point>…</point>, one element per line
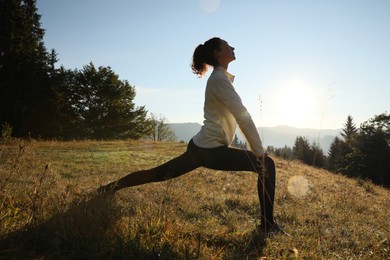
<point>105,189</point>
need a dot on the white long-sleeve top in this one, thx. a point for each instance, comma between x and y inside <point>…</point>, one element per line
<point>223,110</point>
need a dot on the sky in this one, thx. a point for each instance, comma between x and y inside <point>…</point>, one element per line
<point>301,63</point>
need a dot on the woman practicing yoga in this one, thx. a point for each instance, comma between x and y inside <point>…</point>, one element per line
<point>223,110</point>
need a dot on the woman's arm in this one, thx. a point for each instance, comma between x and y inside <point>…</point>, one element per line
<point>226,93</point>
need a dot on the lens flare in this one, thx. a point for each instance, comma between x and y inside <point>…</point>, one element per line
<point>209,6</point>
<point>298,186</point>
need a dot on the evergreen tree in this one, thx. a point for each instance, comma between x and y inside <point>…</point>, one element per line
<point>337,154</point>
<point>317,157</point>
<point>371,150</point>
<point>103,105</point>
<point>301,150</point>
<point>349,130</point>
<point>24,89</point>
<point>284,152</point>
<point>38,100</point>
<point>340,148</point>
<point>66,120</point>
<point>308,154</point>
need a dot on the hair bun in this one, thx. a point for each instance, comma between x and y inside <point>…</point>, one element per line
<point>201,47</point>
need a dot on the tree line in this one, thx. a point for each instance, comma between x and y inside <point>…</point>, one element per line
<point>39,100</point>
<point>360,152</point>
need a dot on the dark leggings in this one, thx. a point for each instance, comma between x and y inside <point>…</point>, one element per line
<point>220,158</point>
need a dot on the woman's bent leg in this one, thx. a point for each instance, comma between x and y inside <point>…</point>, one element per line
<point>224,158</point>
<point>266,191</point>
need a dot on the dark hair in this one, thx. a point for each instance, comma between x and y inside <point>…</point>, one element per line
<point>204,55</point>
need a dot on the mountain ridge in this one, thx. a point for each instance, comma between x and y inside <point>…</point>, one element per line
<point>278,136</point>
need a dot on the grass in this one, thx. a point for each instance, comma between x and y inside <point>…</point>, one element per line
<point>48,208</point>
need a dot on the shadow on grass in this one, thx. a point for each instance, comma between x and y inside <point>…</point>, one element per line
<point>250,247</point>
<point>80,231</point>
<point>83,231</point>
<point>86,230</point>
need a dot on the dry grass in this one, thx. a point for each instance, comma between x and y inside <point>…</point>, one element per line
<point>48,208</point>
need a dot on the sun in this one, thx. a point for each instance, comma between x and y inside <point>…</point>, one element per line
<point>297,104</point>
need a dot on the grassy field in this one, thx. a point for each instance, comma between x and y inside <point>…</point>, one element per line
<point>49,208</point>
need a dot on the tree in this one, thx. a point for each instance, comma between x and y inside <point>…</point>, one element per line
<point>371,150</point>
<point>103,105</point>
<point>341,148</point>
<point>236,142</point>
<point>301,150</point>
<point>308,154</point>
<point>160,130</point>
<point>66,121</point>
<point>38,100</point>
<point>270,149</point>
<point>94,103</point>
<point>337,155</point>
<point>317,157</point>
<point>349,130</point>
<point>25,87</point>
<point>284,152</point>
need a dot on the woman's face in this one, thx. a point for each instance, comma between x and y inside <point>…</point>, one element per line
<point>225,54</point>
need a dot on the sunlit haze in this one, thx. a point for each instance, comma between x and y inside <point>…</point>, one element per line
<point>305,64</point>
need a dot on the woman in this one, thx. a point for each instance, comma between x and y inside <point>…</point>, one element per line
<point>209,148</point>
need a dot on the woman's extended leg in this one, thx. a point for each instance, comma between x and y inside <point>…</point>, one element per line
<point>171,169</point>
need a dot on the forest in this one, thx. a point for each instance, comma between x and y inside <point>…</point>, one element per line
<point>360,152</point>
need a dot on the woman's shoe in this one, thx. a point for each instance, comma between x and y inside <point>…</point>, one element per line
<point>106,189</point>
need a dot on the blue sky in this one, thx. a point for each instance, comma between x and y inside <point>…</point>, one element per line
<point>303,63</point>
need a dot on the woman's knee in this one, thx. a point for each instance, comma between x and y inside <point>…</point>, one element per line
<point>269,162</point>
<point>270,166</point>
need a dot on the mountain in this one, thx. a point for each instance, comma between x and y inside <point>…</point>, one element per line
<point>185,131</point>
<point>280,136</point>
<point>277,137</point>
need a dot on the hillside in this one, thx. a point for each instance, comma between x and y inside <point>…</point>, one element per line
<point>278,136</point>
<point>49,208</point>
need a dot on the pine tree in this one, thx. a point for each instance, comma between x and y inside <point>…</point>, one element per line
<point>371,150</point>
<point>301,150</point>
<point>317,157</point>
<point>337,156</point>
<point>66,120</point>
<point>339,150</point>
<point>284,152</point>
<point>349,130</point>
<point>308,154</point>
<point>24,89</point>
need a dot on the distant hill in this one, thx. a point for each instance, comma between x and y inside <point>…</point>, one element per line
<point>278,136</point>
<point>185,131</point>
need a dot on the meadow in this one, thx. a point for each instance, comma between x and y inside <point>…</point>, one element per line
<point>49,208</point>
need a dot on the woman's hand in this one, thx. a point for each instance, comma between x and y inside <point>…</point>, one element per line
<point>261,161</point>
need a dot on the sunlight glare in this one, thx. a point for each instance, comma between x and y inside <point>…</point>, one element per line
<point>298,104</point>
<point>298,186</point>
